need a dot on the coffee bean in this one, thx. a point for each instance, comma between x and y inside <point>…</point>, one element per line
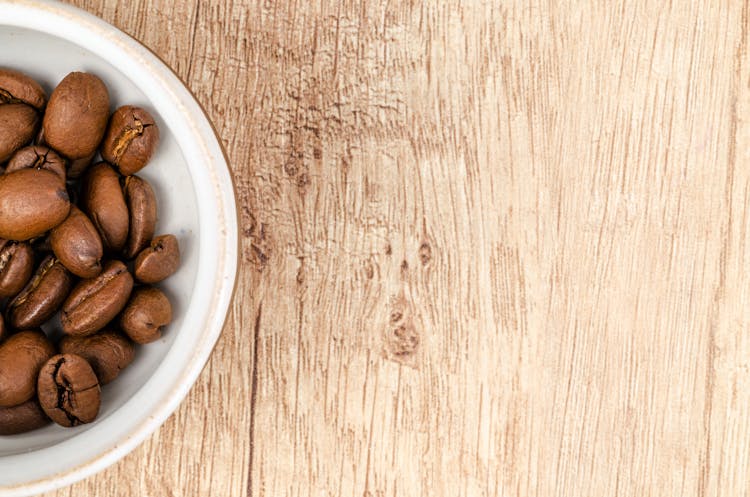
<point>141,203</point>
<point>77,245</point>
<point>76,116</point>
<point>16,87</point>
<point>130,140</point>
<point>95,302</point>
<point>22,418</point>
<point>146,313</point>
<point>108,352</point>
<point>103,201</point>
<point>31,203</point>
<point>37,157</point>
<point>18,123</point>
<point>21,356</point>
<point>68,390</point>
<point>159,260</point>
<point>42,295</point>
<point>16,265</point>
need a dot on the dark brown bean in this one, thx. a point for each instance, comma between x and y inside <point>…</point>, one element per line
<point>77,245</point>
<point>95,302</point>
<point>41,245</point>
<point>42,295</point>
<point>16,266</point>
<point>76,115</point>
<point>130,140</point>
<point>146,313</point>
<point>76,167</point>
<point>69,391</point>
<point>159,260</point>
<point>17,87</point>
<point>103,201</point>
<point>22,418</point>
<point>21,357</point>
<point>18,123</point>
<point>108,352</point>
<point>141,203</point>
<point>37,157</point>
<point>31,203</point>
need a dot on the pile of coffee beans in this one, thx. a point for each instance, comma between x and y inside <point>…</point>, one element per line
<point>79,255</point>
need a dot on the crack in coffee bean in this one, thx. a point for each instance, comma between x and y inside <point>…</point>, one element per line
<point>62,393</point>
<point>127,136</point>
<point>36,279</point>
<point>6,255</point>
<point>69,390</point>
<point>99,283</point>
<point>7,98</point>
<point>41,160</point>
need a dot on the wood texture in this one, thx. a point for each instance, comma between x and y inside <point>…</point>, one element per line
<point>489,248</point>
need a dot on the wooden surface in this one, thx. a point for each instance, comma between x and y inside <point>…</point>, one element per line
<point>489,248</point>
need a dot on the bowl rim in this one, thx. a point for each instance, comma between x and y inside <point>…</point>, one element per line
<point>222,183</point>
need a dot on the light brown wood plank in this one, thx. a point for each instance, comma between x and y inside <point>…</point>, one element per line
<point>489,248</point>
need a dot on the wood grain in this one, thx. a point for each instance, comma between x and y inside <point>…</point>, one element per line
<point>489,248</point>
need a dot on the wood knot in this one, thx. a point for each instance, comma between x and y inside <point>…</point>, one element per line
<point>256,256</point>
<point>400,337</point>
<point>249,223</point>
<point>257,253</point>
<point>425,253</point>
<point>369,270</point>
<point>403,341</point>
<point>290,168</point>
<point>404,267</point>
<point>303,180</point>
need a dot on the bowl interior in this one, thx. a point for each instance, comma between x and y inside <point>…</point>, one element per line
<point>48,59</point>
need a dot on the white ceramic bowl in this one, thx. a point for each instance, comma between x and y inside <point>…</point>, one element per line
<point>196,202</point>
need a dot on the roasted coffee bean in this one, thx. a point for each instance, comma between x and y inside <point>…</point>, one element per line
<point>95,302</point>
<point>18,123</point>
<point>103,201</point>
<point>108,352</point>
<point>159,260</point>
<point>141,203</point>
<point>68,390</point>
<point>21,357</point>
<point>146,313</point>
<point>22,418</point>
<point>76,116</point>
<point>77,245</point>
<point>41,297</point>
<point>31,203</point>
<point>16,87</point>
<point>130,140</point>
<point>16,266</point>
<point>37,157</point>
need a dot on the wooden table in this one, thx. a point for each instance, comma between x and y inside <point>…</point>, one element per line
<point>488,248</point>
